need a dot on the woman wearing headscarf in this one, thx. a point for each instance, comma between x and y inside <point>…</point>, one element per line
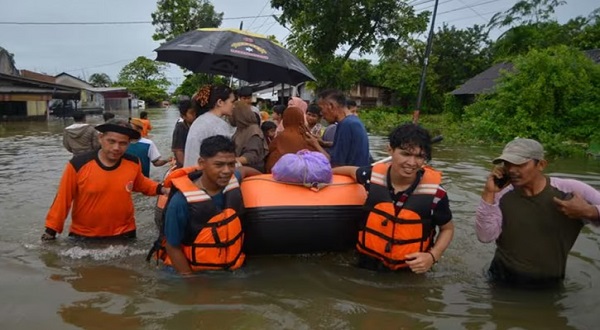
<point>291,140</point>
<point>250,144</point>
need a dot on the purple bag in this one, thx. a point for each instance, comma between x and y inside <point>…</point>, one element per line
<point>303,167</point>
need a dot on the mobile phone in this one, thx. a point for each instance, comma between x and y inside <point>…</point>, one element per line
<point>502,181</point>
<point>566,196</point>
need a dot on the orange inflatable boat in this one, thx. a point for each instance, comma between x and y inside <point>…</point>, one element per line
<point>281,218</point>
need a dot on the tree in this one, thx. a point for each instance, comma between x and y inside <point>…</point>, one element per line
<point>100,80</point>
<point>194,80</point>
<point>319,28</point>
<point>459,55</point>
<point>526,12</point>
<point>553,95</point>
<point>175,17</point>
<point>145,78</point>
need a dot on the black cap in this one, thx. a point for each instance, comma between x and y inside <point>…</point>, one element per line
<point>245,91</point>
<point>119,126</point>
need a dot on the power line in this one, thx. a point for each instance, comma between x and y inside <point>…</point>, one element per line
<point>260,12</point>
<point>109,23</point>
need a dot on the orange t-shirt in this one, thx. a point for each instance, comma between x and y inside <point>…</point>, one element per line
<point>100,195</point>
<point>147,127</point>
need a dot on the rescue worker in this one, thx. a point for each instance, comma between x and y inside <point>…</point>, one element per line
<point>406,203</point>
<point>99,184</point>
<point>204,211</point>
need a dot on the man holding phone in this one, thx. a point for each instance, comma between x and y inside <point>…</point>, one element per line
<point>534,219</point>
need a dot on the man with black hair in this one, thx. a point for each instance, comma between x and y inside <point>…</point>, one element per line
<point>202,228</point>
<point>98,185</point>
<point>351,143</point>
<point>147,125</point>
<point>406,203</point>
<point>352,108</point>
<point>182,127</point>
<point>80,138</point>
<point>245,95</point>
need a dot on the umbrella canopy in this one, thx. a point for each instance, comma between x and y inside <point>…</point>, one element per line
<point>247,56</point>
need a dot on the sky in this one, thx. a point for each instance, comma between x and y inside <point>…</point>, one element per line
<point>84,49</point>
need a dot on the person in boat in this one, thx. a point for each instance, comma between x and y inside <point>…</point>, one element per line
<point>98,185</point>
<point>278,117</point>
<point>182,127</point>
<point>80,137</point>
<point>250,145</point>
<point>245,95</point>
<point>269,129</point>
<point>202,228</point>
<point>291,140</point>
<point>211,103</point>
<point>406,204</point>
<point>313,119</point>
<point>145,149</point>
<point>533,218</point>
<point>350,144</point>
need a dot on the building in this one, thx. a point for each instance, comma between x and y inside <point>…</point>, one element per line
<point>23,98</point>
<point>485,82</point>
<point>369,96</point>
<point>91,101</point>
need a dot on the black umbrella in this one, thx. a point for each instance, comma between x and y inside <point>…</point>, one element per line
<point>247,56</point>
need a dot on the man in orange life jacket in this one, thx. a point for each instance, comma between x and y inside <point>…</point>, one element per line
<point>406,204</point>
<point>99,184</point>
<point>202,228</point>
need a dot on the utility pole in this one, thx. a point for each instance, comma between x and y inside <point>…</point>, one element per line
<point>425,63</point>
<point>241,25</point>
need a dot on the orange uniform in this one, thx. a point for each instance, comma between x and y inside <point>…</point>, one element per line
<point>147,127</point>
<point>101,196</point>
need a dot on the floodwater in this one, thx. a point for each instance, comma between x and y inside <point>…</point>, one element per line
<point>62,285</point>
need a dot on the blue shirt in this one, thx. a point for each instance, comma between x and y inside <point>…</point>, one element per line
<point>351,143</point>
<point>178,214</point>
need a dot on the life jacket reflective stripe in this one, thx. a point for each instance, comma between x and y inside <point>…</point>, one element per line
<point>213,238</point>
<point>389,237</point>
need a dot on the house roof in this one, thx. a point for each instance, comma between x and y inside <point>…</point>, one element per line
<point>18,84</point>
<point>73,81</point>
<point>485,82</point>
<point>37,76</point>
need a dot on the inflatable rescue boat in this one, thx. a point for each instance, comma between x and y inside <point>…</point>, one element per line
<point>284,218</point>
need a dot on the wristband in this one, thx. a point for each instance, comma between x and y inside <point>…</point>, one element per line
<point>432,257</point>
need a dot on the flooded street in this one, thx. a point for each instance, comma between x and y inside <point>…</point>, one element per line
<point>61,285</point>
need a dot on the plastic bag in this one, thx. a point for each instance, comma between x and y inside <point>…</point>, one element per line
<point>305,166</point>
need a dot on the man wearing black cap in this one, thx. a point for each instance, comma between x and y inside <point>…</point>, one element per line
<point>98,185</point>
<point>534,219</point>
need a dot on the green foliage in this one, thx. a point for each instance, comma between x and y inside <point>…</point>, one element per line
<point>194,80</point>
<point>100,80</point>
<point>526,12</point>
<point>459,55</point>
<point>554,96</point>
<point>146,79</point>
<point>322,27</point>
<point>453,106</point>
<point>175,17</point>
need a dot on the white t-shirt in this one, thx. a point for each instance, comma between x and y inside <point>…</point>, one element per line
<point>153,153</point>
<point>203,127</point>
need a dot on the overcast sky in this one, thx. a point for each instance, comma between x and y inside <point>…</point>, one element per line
<point>85,49</point>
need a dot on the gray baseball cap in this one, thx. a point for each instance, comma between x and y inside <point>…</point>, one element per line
<point>520,151</point>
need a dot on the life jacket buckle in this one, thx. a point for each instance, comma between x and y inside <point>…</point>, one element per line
<point>384,222</point>
<point>388,247</point>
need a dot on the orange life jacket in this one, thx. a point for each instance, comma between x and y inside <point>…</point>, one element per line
<point>389,237</point>
<point>213,239</point>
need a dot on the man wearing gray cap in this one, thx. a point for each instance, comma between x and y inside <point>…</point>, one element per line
<point>534,219</point>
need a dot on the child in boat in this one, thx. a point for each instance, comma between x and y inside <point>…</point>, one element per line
<point>313,119</point>
<point>407,195</point>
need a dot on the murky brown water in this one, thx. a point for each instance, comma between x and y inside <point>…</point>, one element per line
<point>64,286</point>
